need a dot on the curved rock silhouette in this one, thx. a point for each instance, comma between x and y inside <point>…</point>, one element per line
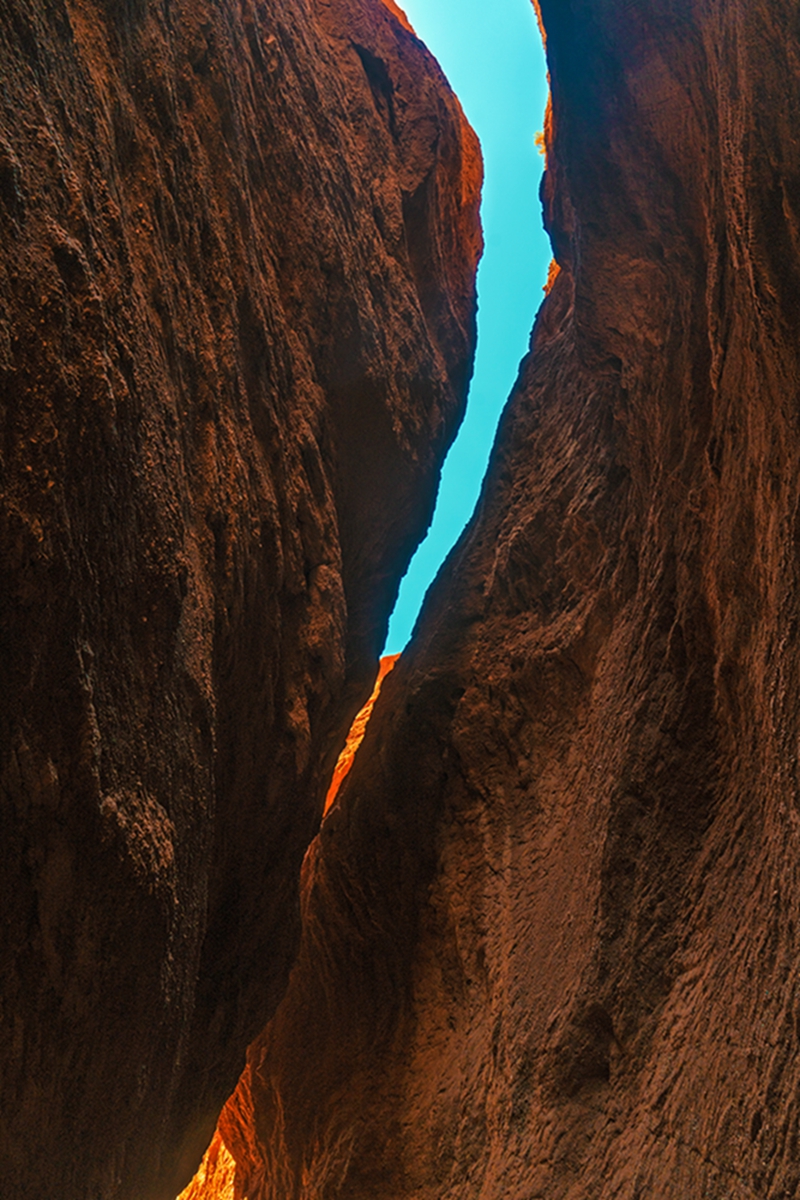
<point>550,937</point>
<point>237,312</point>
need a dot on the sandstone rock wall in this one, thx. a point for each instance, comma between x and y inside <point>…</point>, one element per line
<point>551,924</point>
<point>237,305</point>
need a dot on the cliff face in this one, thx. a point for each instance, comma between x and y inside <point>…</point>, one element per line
<point>237,304</point>
<point>551,923</point>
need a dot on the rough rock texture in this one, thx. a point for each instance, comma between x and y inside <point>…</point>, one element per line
<point>551,924</point>
<point>237,266</point>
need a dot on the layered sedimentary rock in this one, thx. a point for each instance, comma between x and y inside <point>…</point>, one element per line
<point>237,270</point>
<point>551,923</point>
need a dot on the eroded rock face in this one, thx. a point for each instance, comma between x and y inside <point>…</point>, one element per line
<point>237,306</point>
<point>551,925</point>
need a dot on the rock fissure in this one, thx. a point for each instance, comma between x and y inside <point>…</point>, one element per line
<point>557,892</point>
<point>593,688</point>
<point>225,396</point>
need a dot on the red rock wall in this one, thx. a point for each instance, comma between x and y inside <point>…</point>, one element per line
<point>237,310</point>
<point>551,928</point>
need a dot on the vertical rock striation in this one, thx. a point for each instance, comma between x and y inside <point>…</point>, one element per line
<point>551,926</point>
<point>237,306</point>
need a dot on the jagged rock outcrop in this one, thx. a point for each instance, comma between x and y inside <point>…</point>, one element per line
<point>237,308</point>
<point>551,924</point>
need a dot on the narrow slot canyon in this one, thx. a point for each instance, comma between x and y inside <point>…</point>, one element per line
<point>494,61</point>
<point>530,930</point>
<point>513,255</point>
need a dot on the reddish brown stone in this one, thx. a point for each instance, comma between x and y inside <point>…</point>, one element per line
<point>237,310</point>
<point>398,12</point>
<point>551,928</point>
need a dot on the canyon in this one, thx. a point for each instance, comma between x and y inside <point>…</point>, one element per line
<point>237,320</point>
<point>550,923</point>
<point>543,943</point>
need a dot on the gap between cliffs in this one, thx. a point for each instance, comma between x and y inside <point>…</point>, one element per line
<point>493,58</point>
<point>497,358</point>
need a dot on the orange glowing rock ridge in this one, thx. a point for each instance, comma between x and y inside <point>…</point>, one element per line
<point>401,16</point>
<point>552,275</point>
<point>544,140</point>
<point>215,1178</point>
<point>538,11</point>
<point>357,731</point>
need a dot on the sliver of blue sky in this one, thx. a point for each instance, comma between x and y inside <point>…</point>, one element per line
<point>491,53</point>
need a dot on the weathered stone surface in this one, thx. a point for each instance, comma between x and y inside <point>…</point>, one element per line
<point>237,306</point>
<point>551,926</point>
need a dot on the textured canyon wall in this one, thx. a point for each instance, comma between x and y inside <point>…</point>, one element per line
<point>551,923</point>
<point>237,305</point>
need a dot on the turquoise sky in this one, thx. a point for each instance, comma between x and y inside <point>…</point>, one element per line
<point>492,55</point>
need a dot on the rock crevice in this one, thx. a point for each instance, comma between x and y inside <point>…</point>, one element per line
<point>550,929</point>
<point>228,379</point>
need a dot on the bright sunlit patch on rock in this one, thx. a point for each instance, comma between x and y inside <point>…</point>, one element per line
<point>398,12</point>
<point>357,731</point>
<point>215,1176</point>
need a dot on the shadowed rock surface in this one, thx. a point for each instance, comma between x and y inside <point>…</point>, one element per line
<point>237,268</point>
<point>551,923</point>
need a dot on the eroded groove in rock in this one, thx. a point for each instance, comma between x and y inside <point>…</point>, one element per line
<point>237,308</point>
<point>550,932</point>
